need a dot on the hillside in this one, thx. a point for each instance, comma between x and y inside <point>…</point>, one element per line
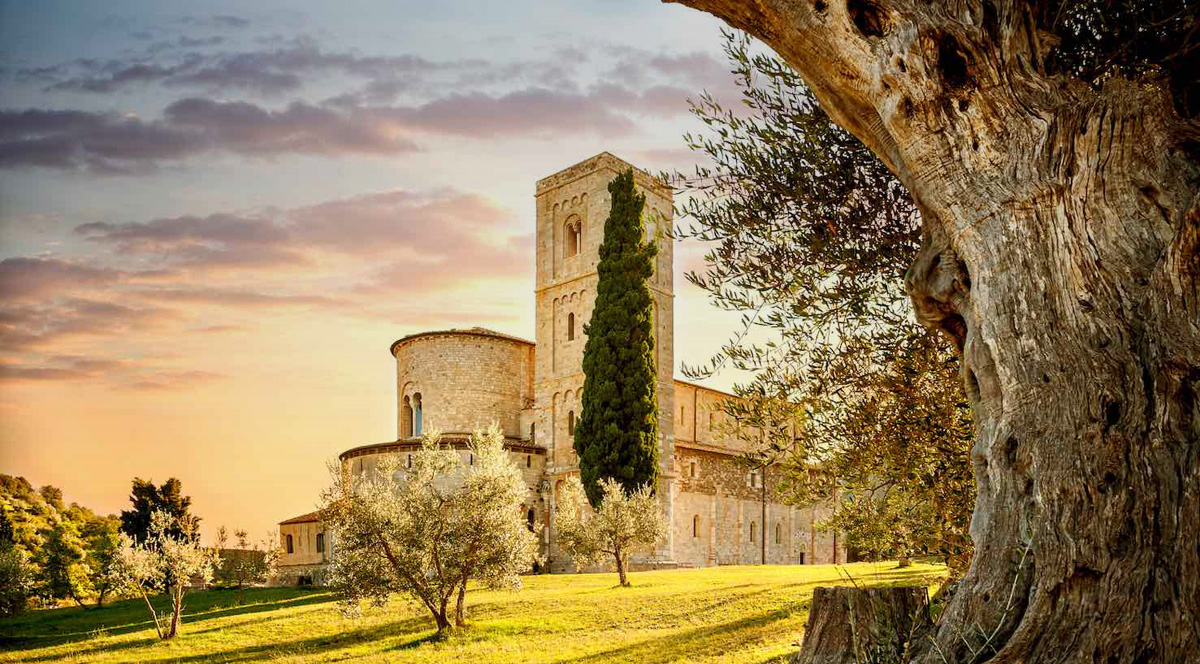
<point>727,614</point>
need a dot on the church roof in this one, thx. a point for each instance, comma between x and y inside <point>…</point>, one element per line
<point>471,332</point>
<point>592,164</point>
<point>311,517</point>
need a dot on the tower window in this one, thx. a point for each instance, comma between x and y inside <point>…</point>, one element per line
<point>681,413</point>
<point>529,461</point>
<point>570,327</point>
<point>290,549</point>
<point>471,460</point>
<point>710,420</point>
<point>418,415</point>
<point>574,237</point>
<point>410,461</point>
<point>696,526</point>
<point>570,423</point>
<point>753,531</point>
<point>692,470</point>
<point>779,533</point>
<point>406,418</point>
<point>320,542</point>
<point>529,519</point>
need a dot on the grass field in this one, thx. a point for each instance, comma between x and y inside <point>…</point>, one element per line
<point>727,614</point>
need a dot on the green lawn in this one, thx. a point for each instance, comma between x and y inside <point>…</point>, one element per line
<point>726,614</point>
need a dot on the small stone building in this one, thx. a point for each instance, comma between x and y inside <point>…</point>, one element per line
<point>463,379</point>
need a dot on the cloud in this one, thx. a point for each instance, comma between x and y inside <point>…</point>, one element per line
<point>121,373</point>
<point>47,324</point>
<point>35,278</point>
<point>398,239</point>
<point>107,143</point>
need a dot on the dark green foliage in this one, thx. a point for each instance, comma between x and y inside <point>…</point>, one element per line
<point>60,551</point>
<point>812,237</point>
<point>617,433</point>
<point>146,498</point>
<point>62,559</point>
<point>16,576</point>
<point>1136,39</point>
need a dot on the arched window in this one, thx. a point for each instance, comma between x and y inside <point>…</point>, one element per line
<point>692,470</point>
<point>289,545</point>
<point>571,327</point>
<point>574,237</point>
<point>529,461</point>
<point>529,519</point>
<point>753,531</point>
<point>410,461</point>
<point>570,423</point>
<point>406,418</point>
<point>320,542</point>
<point>418,415</point>
<point>696,526</point>
<point>779,533</point>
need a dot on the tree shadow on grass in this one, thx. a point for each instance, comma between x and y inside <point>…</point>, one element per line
<point>49,628</point>
<point>711,639</point>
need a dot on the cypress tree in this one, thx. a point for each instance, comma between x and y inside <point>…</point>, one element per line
<point>616,436</point>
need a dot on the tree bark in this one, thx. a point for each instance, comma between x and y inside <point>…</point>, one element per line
<point>848,625</point>
<point>621,569</point>
<point>460,619</point>
<point>1061,254</point>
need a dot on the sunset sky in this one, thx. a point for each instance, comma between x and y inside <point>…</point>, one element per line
<point>216,216</point>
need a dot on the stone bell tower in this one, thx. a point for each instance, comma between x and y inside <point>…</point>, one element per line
<point>572,206</point>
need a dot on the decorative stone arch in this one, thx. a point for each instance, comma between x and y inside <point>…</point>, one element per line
<point>572,236</point>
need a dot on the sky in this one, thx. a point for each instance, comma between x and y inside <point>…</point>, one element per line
<point>215,217</point>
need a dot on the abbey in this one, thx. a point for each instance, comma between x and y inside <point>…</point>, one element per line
<point>464,379</point>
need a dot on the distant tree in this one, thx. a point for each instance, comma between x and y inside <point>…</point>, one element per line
<point>246,563</point>
<point>164,559</point>
<point>62,563</point>
<point>16,575</point>
<point>428,529</point>
<point>103,538</point>
<point>624,523</point>
<point>52,495</point>
<point>617,433</point>
<point>147,498</point>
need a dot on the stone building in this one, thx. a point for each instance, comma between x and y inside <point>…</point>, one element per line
<point>461,380</point>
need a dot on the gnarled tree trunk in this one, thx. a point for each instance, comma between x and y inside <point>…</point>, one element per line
<point>1062,254</point>
<point>848,625</point>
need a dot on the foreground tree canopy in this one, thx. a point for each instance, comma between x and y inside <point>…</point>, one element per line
<point>428,528</point>
<point>1053,151</point>
<point>811,237</point>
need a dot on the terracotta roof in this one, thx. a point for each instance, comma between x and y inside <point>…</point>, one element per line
<point>311,517</point>
<point>470,332</point>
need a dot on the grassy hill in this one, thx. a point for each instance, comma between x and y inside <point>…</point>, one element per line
<point>727,614</point>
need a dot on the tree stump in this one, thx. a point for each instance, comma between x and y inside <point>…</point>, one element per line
<point>849,625</point>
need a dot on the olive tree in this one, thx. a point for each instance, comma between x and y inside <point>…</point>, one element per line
<point>246,563</point>
<point>625,522</point>
<point>170,557</point>
<point>428,529</point>
<point>1053,150</point>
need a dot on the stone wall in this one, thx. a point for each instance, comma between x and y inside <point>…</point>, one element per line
<point>304,544</point>
<point>466,379</point>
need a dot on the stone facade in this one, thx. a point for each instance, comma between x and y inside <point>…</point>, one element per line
<point>461,380</point>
